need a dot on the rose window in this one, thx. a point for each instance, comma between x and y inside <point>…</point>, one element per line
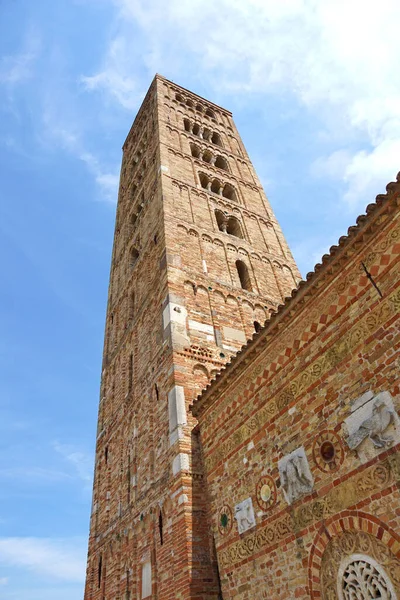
<point>361,578</point>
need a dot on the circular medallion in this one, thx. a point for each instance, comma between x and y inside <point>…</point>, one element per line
<point>328,451</point>
<point>266,492</point>
<point>225,520</point>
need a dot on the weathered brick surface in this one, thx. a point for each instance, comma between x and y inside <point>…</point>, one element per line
<point>295,386</point>
<point>176,313</point>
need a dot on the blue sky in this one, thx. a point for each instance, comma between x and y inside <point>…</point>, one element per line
<point>315,93</point>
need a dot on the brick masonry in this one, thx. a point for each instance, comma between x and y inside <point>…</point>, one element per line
<point>294,424</point>
<point>199,261</point>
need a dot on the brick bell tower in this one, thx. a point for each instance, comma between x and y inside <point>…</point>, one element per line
<point>198,263</point>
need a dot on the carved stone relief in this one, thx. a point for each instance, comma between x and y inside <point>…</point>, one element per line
<point>328,453</point>
<point>225,520</point>
<point>295,475</point>
<point>373,425</point>
<point>358,566</point>
<point>244,515</point>
<point>266,492</point>
<point>360,577</point>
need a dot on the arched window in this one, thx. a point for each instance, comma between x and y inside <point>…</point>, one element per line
<point>186,124</point>
<point>216,139</point>
<point>221,220</point>
<point>215,186</point>
<point>189,103</point>
<point>160,528</point>
<point>199,108</point>
<point>221,163</point>
<point>207,156</point>
<point>99,571</point>
<point>133,220</point>
<point>206,135</point>
<point>233,227</point>
<point>257,326</point>
<point>210,113</point>
<point>244,276</point>
<point>229,192</point>
<point>196,129</point>
<point>131,312</point>
<point>134,256</point>
<point>203,180</point>
<point>195,150</point>
<point>179,98</point>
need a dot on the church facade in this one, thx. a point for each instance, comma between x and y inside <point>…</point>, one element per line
<point>280,479</point>
<point>301,432</point>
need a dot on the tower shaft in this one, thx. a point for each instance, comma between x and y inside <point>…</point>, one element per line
<point>198,262</point>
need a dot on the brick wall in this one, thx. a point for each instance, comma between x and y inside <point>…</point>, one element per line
<point>285,429</point>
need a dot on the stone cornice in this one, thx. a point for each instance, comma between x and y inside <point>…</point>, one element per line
<point>366,226</point>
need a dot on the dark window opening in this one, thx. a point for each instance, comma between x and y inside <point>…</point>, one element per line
<point>186,124</point>
<point>257,326</point>
<point>157,392</point>
<point>221,220</point>
<point>196,129</point>
<point>179,98</point>
<point>203,180</point>
<point>195,150</point>
<point>216,139</point>
<point>199,108</point>
<point>215,186</point>
<point>99,570</point>
<point>207,156</point>
<point>189,103</point>
<point>244,276</point>
<point>229,192</point>
<point>221,163</point>
<point>206,135</point>
<point>130,373</point>
<point>160,527</point>
<point>210,113</point>
<point>134,257</point>
<point>233,227</point>
<point>106,454</point>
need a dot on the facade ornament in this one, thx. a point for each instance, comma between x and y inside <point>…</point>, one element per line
<point>295,475</point>
<point>244,515</point>
<point>373,424</point>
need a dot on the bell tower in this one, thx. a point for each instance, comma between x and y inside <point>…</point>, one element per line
<point>199,262</point>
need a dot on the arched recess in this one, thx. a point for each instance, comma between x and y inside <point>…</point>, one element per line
<point>215,186</point>
<point>233,227</point>
<point>244,275</point>
<point>229,192</point>
<point>221,220</point>
<point>204,180</point>
<point>353,536</point>
<point>201,377</point>
<point>133,257</point>
<point>216,139</point>
<point>195,151</point>
<point>221,163</point>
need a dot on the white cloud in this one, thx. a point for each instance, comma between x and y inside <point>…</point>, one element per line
<point>116,77</point>
<point>17,68</point>
<point>81,462</point>
<point>340,59</point>
<point>34,474</point>
<point>66,137</point>
<point>62,559</point>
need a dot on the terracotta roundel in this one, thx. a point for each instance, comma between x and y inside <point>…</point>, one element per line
<point>266,492</point>
<point>328,451</point>
<point>225,520</point>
